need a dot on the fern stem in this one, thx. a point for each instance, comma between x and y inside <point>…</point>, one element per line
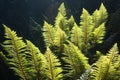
<point>51,70</point>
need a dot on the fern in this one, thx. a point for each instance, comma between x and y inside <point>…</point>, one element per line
<point>62,9</point>
<point>98,34</point>
<point>75,36</point>
<point>16,49</point>
<point>49,34</point>
<point>53,69</point>
<point>104,68</point>
<point>77,62</point>
<point>37,62</point>
<point>103,14</point>
<point>61,20</point>
<point>70,22</point>
<point>86,27</point>
<point>60,38</point>
<point>100,16</point>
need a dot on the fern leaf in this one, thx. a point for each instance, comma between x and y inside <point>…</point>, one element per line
<point>100,16</point>
<point>62,9</point>
<point>60,38</point>
<point>103,13</point>
<point>61,20</point>
<point>49,34</point>
<point>104,68</point>
<point>96,18</point>
<point>17,50</point>
<point>98,34</point>
<point>77,62</point>
<point>75,36</point>
<point>53,69</point>
<point>86,26</point>
<point>70,22</point>
<point>37,61</point>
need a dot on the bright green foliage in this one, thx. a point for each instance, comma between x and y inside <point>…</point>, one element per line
<point>60,37</point>
<point>62,9</point>
<point>53,67</point>
<point>16,49</point>
<point>49,34</point>
<point>98,34</point>
<point>99,16</point>
<point>107,66</point>
<point>37,62</point>
<point>71,41</point>
<point>70,22</point>
<point>76,35</point>
<point>86,26</point>
<point>61,20</point>
<point>77,63</point>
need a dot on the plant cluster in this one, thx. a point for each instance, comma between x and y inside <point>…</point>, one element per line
<point>67,50</point>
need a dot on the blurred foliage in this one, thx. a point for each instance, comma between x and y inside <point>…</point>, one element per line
<point>16,14</point>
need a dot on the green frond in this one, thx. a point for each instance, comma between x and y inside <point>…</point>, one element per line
<point>62,9</point>
<point>98,34</point>
<point>103,13</point>
<point>104,68</point>
<point>96,18</point>
<point>71,22</point>
<point>60,38</point>
<point>86,26</point>
<point>77,63</point>
<point>53,67</point>
<point>99,16</point>
<point>76,35</point>
<point>49,34</point>
<point>16,49</point>
<point>37,61</point>
<point>61,22</point>
<point>69,25</point>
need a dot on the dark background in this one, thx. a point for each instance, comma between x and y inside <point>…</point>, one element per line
<point>19,16</point>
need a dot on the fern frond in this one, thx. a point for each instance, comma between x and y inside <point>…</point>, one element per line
<point>53,69</point>
<point>86,26</point>
<point>62,9</point>
<point>104,68</point>
<point>49,34</point>
<point>77,63</point>
<point>103,13</point>
<point>98,34</point>
<point>99,16</point>
<point>76,35</point>
<point>37,61</point>
<point>70,22</point>
<point>16,49</point>
<point>61,20</point>
<point>60,38</point>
